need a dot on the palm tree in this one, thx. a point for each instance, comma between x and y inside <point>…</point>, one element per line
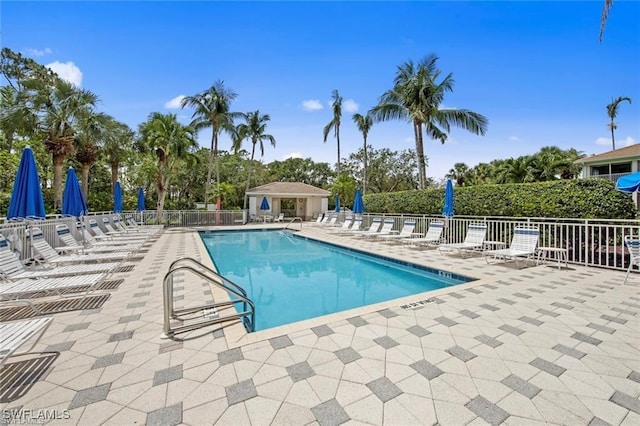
<point>416,97</point>
<point>212,109</point>
<point>605,14</point>
<point>458,173</point>
<point>515,170</point>
<point>226,193</point>
<point>612,111</point>
<point>173,145</point>
<point>15,115</point>
<point>254,131</point>
<point>364,123</point>
<point>335,123</point>
<point>92,129</point>
<point>62,109</point>
<point>117,147</point>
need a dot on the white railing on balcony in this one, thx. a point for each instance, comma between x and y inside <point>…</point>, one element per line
<point>589,242</point>
<point>612,177</point>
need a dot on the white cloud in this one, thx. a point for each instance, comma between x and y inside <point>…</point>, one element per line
<point>409,139</point>
<point>67,71</point>
<point>292,155</point>
<point>350,105</point>
<point>37,52</point>
<point>514,138</point>
<point>628,141</point>
<point>311,105</point>
<point>174,103</point>
<point>603,141</point>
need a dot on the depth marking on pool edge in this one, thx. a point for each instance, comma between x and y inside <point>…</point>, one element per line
<point>417,305</point>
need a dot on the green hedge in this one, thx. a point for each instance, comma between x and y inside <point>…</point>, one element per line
<point>580,198</point>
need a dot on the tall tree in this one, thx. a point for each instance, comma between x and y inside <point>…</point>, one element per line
<point>364,123</point>
<point>118,143</point>
<point>15,115</point>
<point>605,15</point>
<point>303,170</point>
<point>389,171</point>
<point>173,145</point>
<point>458,173</point>
<point>417,97</point>
<point>253,130</point>
<point>335,123</point>
<point>62,109</point>
<point>612,112</point>
<point>212,108</point>
<point>92,130</point>
<point>27,84</point>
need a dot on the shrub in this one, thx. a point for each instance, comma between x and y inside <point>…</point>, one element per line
<point>580,198</point>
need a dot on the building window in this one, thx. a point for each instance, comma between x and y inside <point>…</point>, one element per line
<point>621,168</point>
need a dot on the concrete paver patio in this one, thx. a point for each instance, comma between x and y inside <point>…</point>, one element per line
<point>532,346</point>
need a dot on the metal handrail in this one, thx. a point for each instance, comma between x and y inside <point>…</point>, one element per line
<point>293,220</point>
<point>247,315</point>
<point>209,270</point>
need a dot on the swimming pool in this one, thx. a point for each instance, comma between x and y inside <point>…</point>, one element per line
<point>292,278</point>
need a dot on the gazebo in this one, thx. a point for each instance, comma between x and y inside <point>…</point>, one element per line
<point>291,198</point>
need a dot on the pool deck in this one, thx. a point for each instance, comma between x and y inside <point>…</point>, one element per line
<point>527,346</point>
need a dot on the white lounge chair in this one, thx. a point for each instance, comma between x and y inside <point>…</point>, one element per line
<point>120,244</point>
<point>474,240</point>
<point>50,256</point>
<point>432,237</point>
<point>319,220</point>
<point>114,227</point>
<point>633,247</point>
<point>99,234</point>
<point>280,218</point>
<point>346,225</point>
<point>131,222</point>
<point>373,228</point>
<point>127,226</point>
<point>12,268</point>
<point>14,289</point>
<point>386,228</point>
<point>524,245</point>
<point>355,226</point>
<point>406,232</point>
<point>71,245</point>
<point>330,222</point>
<point>15,334</point>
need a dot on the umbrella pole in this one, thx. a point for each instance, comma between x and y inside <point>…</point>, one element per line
<point>84,243</point>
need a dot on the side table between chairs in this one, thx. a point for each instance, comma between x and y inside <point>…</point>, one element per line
<point>561,255</point>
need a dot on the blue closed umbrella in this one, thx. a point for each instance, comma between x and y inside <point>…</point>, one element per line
<point>337,203</point>
<point>358,203</point>
<point>447,209</point>
<point>265,204</point>
<point>117,198</point>
<point>629,183</point>
<point>26,197</point>
<point>73,202</point>
<point>140,199</point>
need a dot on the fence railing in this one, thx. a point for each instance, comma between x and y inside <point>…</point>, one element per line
<point>589,242</point>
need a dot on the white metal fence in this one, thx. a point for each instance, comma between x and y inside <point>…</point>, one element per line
<point>589,242</point>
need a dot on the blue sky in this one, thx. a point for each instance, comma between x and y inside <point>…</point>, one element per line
<point>535,69</point>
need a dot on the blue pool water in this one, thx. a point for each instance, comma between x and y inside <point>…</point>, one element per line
<point>291,278</point>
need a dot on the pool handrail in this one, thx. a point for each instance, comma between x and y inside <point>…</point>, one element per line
<point>207,269</point>
<point>247,316</point>
<point>293,220</point>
